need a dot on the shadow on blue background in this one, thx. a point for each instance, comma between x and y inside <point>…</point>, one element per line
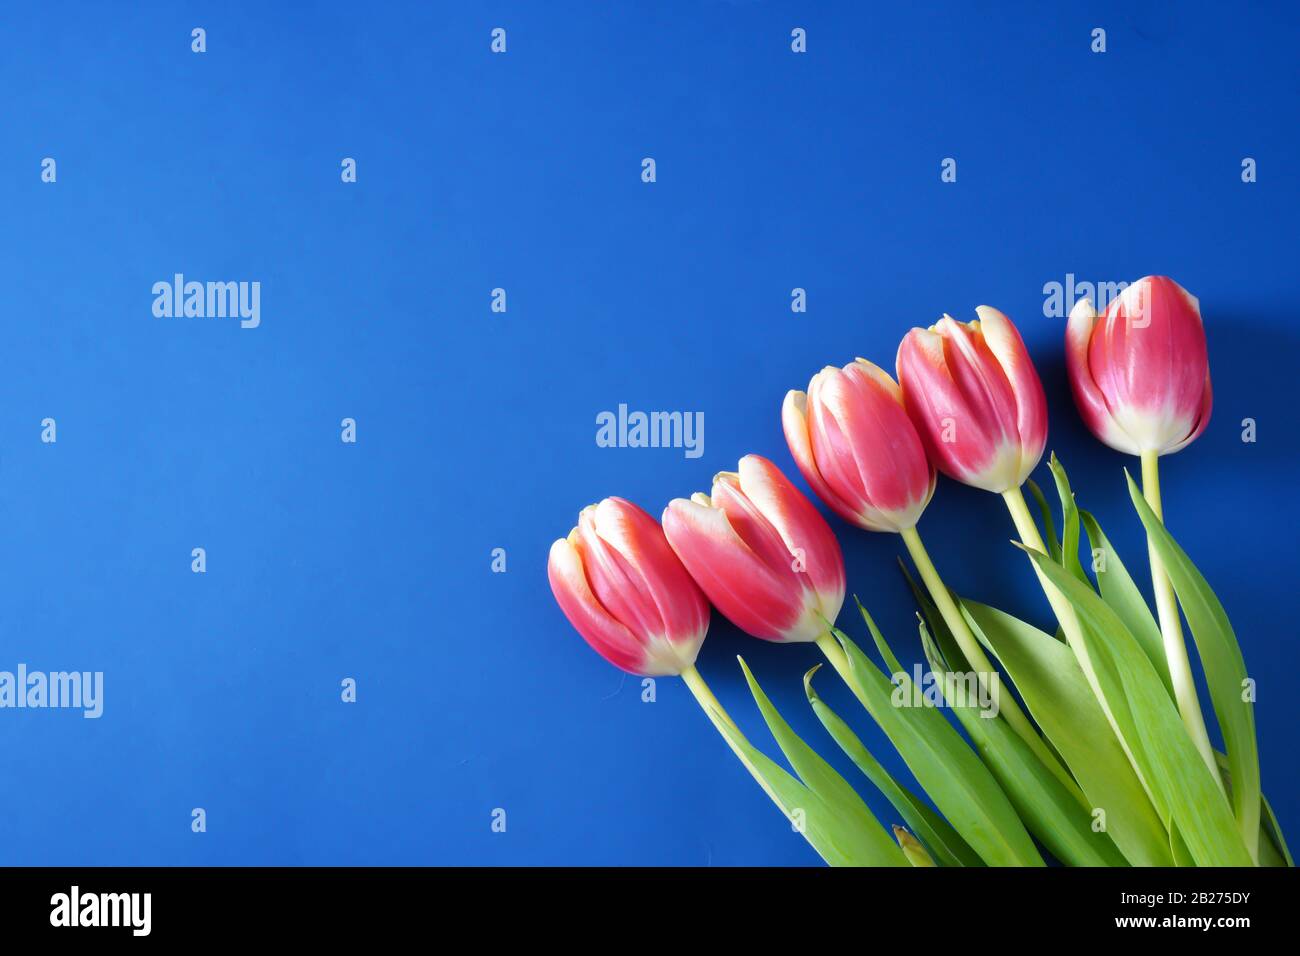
<point>476,429</point>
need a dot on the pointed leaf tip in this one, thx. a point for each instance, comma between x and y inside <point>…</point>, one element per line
<point>807,682</point>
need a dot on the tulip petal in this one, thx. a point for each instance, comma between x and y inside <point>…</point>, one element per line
<point>738,582</point>
<point>1087,394</point>
<point>1008,348</point>
<point>900,475</point>
<point>881,443</point>
<point>880,378</point>
<point>801,527</point>
<point>837,462</point>
<point>619,585</point>
<point>1202,418</point>
<point>966,444</point>
<point>753,527</point>
<point>653,584</point>
<point>794,422</point>
<point>609,638</point>
<point>989,399</point>
<point>987,394</point>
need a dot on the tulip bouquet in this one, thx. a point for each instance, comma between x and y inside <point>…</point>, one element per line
<point>1101,757</point>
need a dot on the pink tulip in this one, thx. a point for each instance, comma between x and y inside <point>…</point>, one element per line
<point>975,398</point>
<point>1141,376</point>
<point>620,585</point>
<point>762,553</point>
<point>855,445</point>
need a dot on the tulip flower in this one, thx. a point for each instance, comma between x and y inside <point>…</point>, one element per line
<point>976,400</point>
<point>860,451</point>
<point>1141,376</point>
<point>853,442</point>
<point>624,590</point>
<point>1141,380</point>
<point>974,395</point>
<point>761,552</point>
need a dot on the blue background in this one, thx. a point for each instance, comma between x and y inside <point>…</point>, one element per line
<point>476,430</point>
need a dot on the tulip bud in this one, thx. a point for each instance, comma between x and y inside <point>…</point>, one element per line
<point>975,398</point>
<point>855,445</point>
<point>762,553</point>
<point>1141,375</point>
<point>624,590</point>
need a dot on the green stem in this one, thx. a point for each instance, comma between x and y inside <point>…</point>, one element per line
<point>1068,619</point>
<point>718,715</point>
<point>977,659</point>
<point>1171,627</point>
<point>838,660</point>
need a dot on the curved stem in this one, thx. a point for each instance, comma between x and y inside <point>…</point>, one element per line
<point>720,719</point>
<point>1171,628</point>
<point>979,661</point>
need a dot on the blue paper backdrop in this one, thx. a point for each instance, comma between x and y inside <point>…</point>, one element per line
<point>476,430</point>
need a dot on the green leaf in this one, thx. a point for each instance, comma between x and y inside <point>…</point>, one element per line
<point>948,770</point>
<point>1049,528</point>
<point>1069,522</point>
<point>953,656</point>
<point>935,623</point>
<point>886,654</point>
<point>1178,847</point>
<point>937,834</point>
<point>1225,669</point>
<point>1181,785</point>
<point>1273,850</point>
<point>831,836</point>
<point>1119,591</point>
<point>1274,832</point>
<point>1051,812</point>
<point>827,785</point>
<point>1057,694</point>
